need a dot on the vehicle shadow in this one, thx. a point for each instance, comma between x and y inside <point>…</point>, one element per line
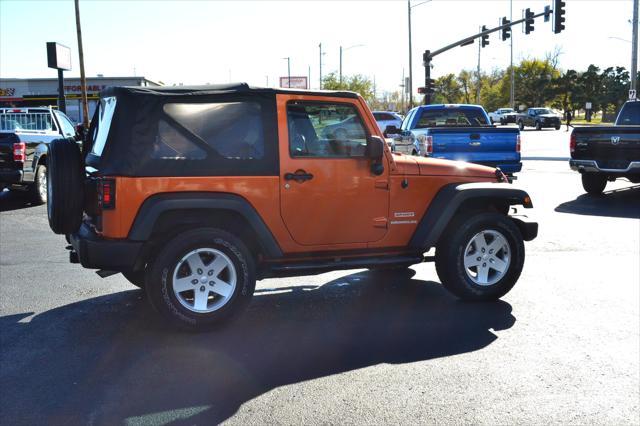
<point>623,203</point>
<point>15,200</point>
<point>110,360</point>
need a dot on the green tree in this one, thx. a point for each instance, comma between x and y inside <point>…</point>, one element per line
<point>447,90</point>
<point>356,83</point>
<point>533,79</point>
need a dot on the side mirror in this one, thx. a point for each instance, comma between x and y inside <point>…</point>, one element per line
<point>375,147</point>
<point>391,130</point>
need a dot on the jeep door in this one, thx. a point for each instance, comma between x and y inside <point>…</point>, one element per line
<point>328,193</point>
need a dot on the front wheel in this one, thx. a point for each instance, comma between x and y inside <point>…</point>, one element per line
<point>594,183</point>
<point>538,125</point>
<point>480,256</point>
<point>201,278</point>
<point>520,125</point>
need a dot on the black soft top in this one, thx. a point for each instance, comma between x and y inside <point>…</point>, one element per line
<point>216,89</point>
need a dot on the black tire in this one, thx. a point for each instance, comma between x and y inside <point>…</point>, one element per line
<point>557,127</point>
<point>502,122</point>
<point>450,253</point>
<point>520,125</point>
<point>39,188</point>
<point>159,279</point>
<point>538,125</point>
<point>136,278</point>
<point>594,183</point>
<point>65,186</point>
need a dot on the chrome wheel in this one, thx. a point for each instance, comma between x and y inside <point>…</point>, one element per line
<point>204,280</point>
<point>487,257</point>
<point>42,186</point>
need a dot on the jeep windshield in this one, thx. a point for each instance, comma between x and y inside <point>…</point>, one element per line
<point>104,114</point>
<point>452,118</point>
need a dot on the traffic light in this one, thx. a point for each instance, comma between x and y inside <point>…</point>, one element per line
<point>558,16</point>
<point>529,20</point>
<point>506,32</point>
<point>429,88</point>
<point>485,37</point>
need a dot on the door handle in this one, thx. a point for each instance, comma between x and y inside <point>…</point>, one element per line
<point>298,176</point>
<point>475,143</point>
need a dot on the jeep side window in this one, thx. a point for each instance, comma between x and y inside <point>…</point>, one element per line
<point>325,130</point>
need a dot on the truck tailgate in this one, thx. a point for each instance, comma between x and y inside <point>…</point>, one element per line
<point>612,146</point>
<point>476,144</point>
<point>6,151</point>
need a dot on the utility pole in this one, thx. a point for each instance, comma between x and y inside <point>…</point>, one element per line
<point>410,60</point>
<point>320,78</point>
<point>512,92</point>
<point>402,88</point>
<point>288,71</point>
<point>309,78</point>
<point>340,64</point>
<point>83,79</point>
<point>634,46</point>
<point>478,74</point>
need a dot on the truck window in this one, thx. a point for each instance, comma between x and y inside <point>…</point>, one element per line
<point>16,121</point>
<point>629,114</point>
<point>325,130</point>
<point>451,117</point>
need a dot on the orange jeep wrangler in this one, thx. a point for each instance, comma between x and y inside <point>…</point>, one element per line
<point>194,193</point>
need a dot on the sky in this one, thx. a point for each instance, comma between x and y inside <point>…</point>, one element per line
<point>199,42</point>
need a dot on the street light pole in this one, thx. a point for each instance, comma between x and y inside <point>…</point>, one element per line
<point>410,59</point>
<point>634,46</point>
<point>83,79</point>
<point>478,74</point>
<point>320,78</point>
<point>340,64</point>
<point>512,92</point>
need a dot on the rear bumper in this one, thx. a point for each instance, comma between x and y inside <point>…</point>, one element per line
<point>507,168</point>
<point>95,252</point>
<point>11,176</point>
<point>592,166</point>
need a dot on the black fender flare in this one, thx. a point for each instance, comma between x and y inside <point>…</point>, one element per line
<point>154,206</point>
<point>450,197</point>
<point>42,150</point>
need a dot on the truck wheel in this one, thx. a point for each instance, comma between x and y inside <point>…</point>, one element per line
<point>520,125</point>
<point>480,256</point>
<point>201,278</point>
<point>39,187</point>
<point>538,125</point>
<point>65,186</point>
<point>594,183</point>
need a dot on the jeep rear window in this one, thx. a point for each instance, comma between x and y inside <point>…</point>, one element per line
<point>106,109</point>
<point>233,130</point>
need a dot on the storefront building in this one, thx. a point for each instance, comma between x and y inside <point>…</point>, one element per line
<point>33,92</point>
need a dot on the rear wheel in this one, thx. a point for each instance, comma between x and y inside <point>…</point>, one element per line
<point>594,183</point>
<point>538,125</point>
<point>39,188</point>
<point>520,125</point>
<point>480,257</point>
<point>201,278</point>
<point>65,192</point>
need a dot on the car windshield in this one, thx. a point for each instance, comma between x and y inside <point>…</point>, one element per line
<point>541,111</point>
<point>452,117</point>
<point>506,110</point>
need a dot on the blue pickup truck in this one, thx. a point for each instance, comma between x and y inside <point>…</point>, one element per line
<point>458,132</point>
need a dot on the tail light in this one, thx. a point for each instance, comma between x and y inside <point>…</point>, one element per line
<point>572,143</point>
<point>107,194</point>
<point>19,152</point>
<point>518,146</point>
<point>428,144</point>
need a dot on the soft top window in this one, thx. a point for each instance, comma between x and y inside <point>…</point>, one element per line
<point>106,108</point>
<point>233,130</point>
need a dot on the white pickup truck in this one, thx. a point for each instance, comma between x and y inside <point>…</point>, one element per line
<point>503,116</point>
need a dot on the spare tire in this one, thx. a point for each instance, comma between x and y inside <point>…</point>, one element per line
<point>65,186</point>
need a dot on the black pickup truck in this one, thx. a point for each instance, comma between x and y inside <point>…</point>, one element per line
<point>24,137</point>
<point>606,153</point>
<point>538,118</point>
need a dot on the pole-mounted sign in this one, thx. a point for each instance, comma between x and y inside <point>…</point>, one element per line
<point>59,57</point>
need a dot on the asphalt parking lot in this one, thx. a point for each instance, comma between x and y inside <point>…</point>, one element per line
<point>346,347</point>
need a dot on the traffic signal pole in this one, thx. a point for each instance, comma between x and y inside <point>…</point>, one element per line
<point>428,55</point>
